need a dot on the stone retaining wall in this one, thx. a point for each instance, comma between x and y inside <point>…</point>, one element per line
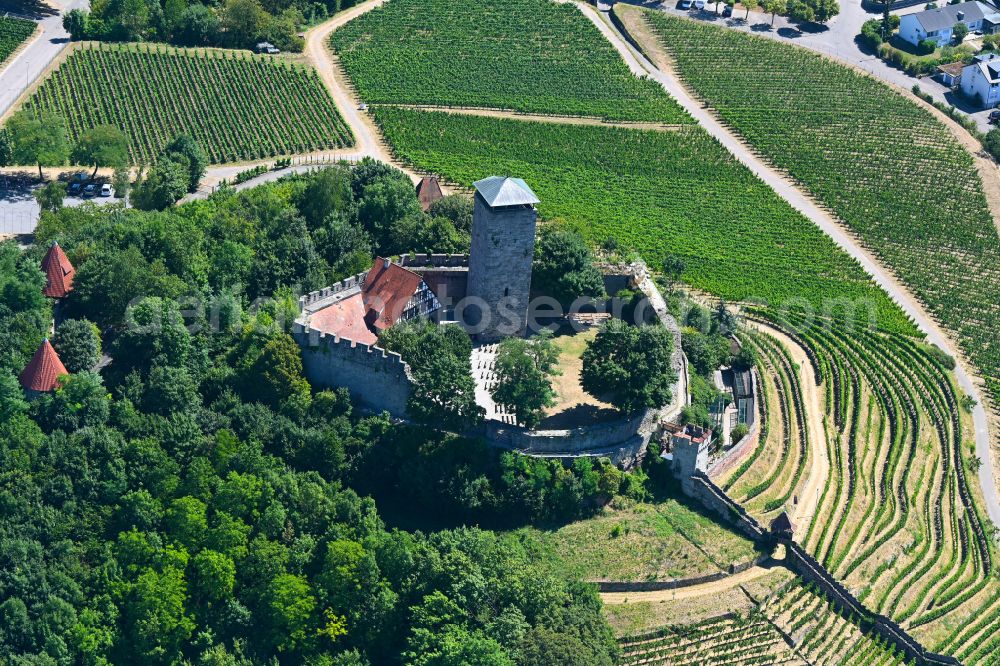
<point>678,583</point>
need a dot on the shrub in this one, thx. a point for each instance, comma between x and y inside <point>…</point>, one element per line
<point>991,142</point>
<point>739,432</point>
<point>926,46</point>
<point>871,33</point>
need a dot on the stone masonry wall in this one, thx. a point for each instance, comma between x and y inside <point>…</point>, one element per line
<point>700,488</point>
<point>500,258</point>
<point>354,282</point>
<point>623,440</point>
<point>378,379</point>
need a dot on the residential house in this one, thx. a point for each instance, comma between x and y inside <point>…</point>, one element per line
<point>981,80</point>
<point>937,25</point>
<point>388,294</point>
<point>428,191</point>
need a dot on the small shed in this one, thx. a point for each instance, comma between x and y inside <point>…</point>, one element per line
<point>428,191</point>
<point>743,396</point>
<point>950,74</point>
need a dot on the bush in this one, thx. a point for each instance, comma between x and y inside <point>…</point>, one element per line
<point>739,432</point>
<point>871,33</point>
<point>991,142</point>
<point>926,47</point>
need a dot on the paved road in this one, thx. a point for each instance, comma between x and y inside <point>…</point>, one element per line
<point>43,48</point>
<point>832,227</point>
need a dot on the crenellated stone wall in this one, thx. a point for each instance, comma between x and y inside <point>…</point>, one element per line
<point>316,299</point>
<point>379,379</point>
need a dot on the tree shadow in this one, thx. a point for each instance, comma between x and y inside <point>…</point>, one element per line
<point>789,33</point>
<point>761,27</point>
<point>33,9</point>
<point>579,415</point>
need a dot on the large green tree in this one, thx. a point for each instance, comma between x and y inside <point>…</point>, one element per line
<point>78,343</point>
<point>38,139</point>
<point>630,366</point>
<point>101,146</point>
<point>564,266</point>
<point>439,357</point>
<point>164,184</point>
<point>524,383</point>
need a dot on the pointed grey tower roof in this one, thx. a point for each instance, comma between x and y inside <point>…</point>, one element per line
<point>505,191</point>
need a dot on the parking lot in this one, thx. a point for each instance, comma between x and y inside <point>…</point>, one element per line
<point>19,211</point>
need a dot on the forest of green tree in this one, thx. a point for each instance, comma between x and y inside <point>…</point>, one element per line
<point>198,502</point>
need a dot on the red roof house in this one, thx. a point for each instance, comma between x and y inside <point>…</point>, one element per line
<point>42,373</point>
<point>428,191</point>
<point>390,294</point>
<point>387,291</point>
<point>58,272</point>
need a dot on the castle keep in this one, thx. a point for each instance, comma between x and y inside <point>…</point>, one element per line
<point>503,247</point>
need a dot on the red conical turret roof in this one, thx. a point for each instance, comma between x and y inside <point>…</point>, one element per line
<point>58,272</point>
<point>43,372</point>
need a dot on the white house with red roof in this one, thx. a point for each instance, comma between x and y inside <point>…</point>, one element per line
<point>385,295</point>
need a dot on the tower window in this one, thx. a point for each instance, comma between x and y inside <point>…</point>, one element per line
<point>506,291</point>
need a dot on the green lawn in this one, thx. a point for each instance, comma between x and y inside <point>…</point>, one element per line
<point>642,542</point>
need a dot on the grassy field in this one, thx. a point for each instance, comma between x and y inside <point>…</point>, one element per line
<point>641,542</point>
<point>527,55</point>
<point>13,32</point>
<point>571,398</point>
<point>238,106</point>
<point>661,193</point>
<point>886,166</point>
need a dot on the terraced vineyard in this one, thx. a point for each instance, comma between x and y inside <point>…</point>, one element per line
<point>883,164</point>
<point>898,519</point>
<point>13,32</point>
<point>238,106</point>
<point>768,480</point>
<point>730,639</point>
<point>795,625</point>
<point>660,192</point>
<point>821,634</point>
<point>527,55</point>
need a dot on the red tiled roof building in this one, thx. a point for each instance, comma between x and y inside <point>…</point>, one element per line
<point>428,191</point>
<point>390,294</point>
<point>58,272</point>
<point>42,373</point>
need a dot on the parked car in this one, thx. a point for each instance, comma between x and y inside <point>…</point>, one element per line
<point>76,184</point>
<point>268,48</point>
<point>699,4</point>
<point>727,11</point>
<point>106,190</point>
<point>685,4</point>
<point>994,117</point>
<point>90,190</point>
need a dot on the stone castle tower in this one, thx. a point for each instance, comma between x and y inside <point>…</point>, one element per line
<point>503,247</point>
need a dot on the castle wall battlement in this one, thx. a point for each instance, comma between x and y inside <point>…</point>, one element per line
<point>415,261</point>
<point>347,284</point>
<point>379,379</point>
